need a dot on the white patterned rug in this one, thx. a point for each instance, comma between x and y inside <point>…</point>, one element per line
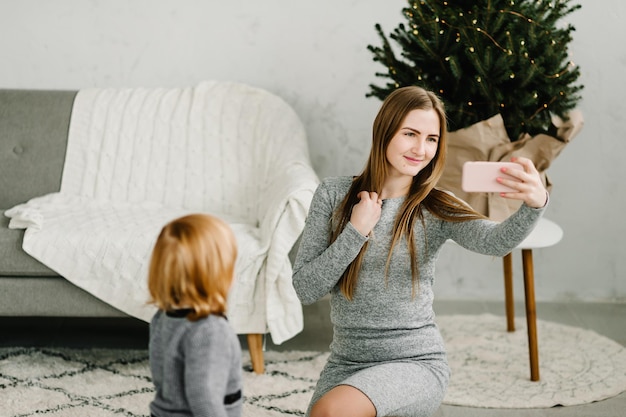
<point>489,365</point>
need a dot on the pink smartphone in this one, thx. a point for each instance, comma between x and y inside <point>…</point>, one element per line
<point>480,176</point>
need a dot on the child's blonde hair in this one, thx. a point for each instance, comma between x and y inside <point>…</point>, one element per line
<point>192,265</point>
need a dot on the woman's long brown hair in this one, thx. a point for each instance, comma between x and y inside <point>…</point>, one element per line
<point>422,193</point>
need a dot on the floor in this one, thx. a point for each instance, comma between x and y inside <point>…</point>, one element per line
<point>607,319</point>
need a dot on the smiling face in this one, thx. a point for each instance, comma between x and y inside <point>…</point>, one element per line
<point>414,145</point>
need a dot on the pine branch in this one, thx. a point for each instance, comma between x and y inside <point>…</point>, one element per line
<point>485,57</point>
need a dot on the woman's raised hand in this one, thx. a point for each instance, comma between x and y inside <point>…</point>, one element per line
<point>529,186</point>
<point>366,213</point>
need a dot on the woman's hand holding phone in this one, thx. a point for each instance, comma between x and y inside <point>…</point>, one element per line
<point>518,179</point>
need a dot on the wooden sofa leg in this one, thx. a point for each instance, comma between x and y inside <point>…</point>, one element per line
<point>255,345</point>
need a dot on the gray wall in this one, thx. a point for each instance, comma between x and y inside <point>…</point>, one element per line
<point>313,53</point>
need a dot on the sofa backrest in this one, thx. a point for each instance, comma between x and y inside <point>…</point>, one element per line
<point>218,148</point>
<point>33,137</point>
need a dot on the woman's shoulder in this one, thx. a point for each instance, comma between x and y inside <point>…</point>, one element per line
<point>445,205</point>
<point>449,198</point>
<point>340,182</point>
<point>336,186</point>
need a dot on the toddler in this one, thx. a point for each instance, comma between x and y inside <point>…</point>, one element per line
<point>195,356</point>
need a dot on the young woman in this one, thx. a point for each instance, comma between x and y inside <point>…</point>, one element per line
<point>195,356</point>
<point>372,241</point>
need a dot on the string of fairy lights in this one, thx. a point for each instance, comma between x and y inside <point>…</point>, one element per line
<point>461,32</point>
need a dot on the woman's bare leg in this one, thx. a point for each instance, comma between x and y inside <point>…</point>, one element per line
<point>343,401</point>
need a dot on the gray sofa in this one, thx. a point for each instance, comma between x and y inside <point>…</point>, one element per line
<point>34,127</point>
<point>33,136</point>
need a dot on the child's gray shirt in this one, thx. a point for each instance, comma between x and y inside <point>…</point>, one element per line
<point>195,366</point>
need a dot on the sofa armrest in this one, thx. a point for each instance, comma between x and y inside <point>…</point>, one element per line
<point>287,203</point>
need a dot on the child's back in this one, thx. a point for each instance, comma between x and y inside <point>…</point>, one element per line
<point>196,366</point>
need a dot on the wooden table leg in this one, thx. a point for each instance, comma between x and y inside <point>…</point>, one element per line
<point>531,313</point>
<point>507,262</point>
<point>255,345</point>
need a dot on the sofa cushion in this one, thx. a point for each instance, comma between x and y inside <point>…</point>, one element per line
<point>50,297</point>
<point>33,137</point>
<point>14,262</point>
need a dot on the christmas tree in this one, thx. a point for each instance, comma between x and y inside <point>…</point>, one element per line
<point>486,57</point>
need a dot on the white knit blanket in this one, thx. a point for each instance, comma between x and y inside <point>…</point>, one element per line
<point>138,158</point>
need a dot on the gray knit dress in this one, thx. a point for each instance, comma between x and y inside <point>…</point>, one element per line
<point>385,342</point>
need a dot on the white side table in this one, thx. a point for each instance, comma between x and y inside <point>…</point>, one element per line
<point>546,233</point>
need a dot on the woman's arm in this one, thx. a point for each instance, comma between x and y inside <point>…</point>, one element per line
<point>318,265</point>
<point>492,238</point>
